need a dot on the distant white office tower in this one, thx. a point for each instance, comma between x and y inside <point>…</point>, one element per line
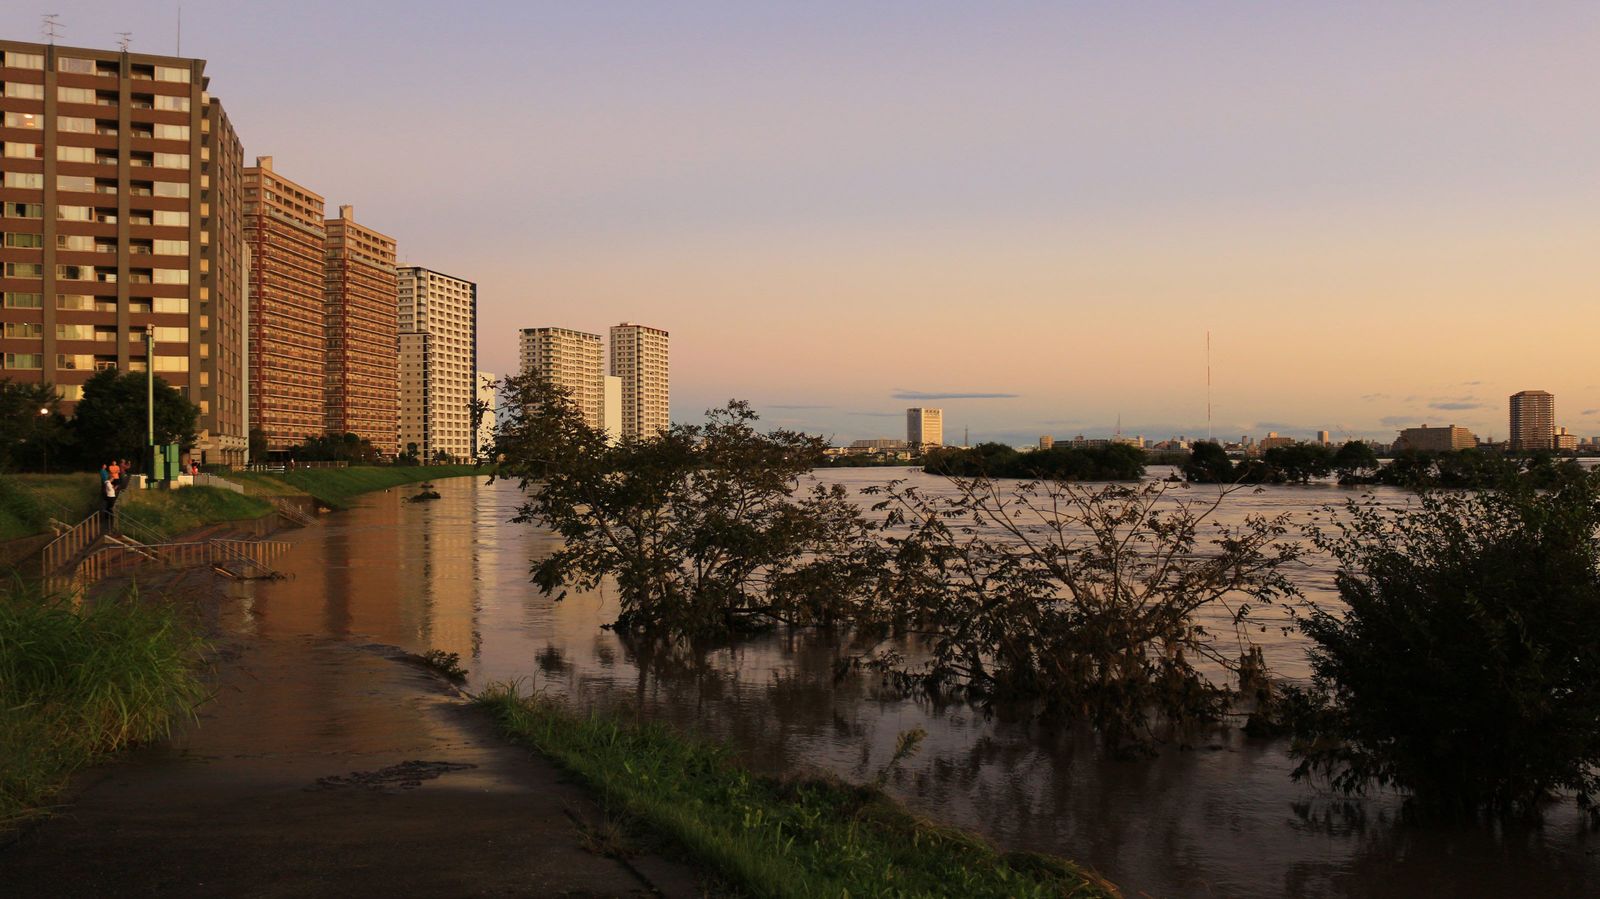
<point>1324,438</point>
<point>925,427</point>
<point>570,360</point>
<point>639,359</point>
<point>611,409</point>
<point>484,439</point>
<point>438,326</point>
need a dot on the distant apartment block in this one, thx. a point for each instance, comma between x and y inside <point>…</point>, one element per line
<point>639,357</point>
<point>285,234</point>
<point>1046,442</point>
<point>924,427</point>
<point>572,361</point>
<point>1324,438</point>
<point>1565,442</point>
<point>484,440</point>
<point>361,323</point>
<point>1436,440</point>
<point>438,316</point>
<point>1533,420</point>
<point>1273,440</point>
<point>121,214</point>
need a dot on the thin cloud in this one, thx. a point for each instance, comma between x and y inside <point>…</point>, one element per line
<point>795,406</point>
<point>1457,406</point>
<point>1370,397</point>
<point>1588,412</point>
<point>903,394</point>
<point>1396,421</point>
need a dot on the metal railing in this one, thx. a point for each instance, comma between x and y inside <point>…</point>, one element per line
<point>288,511</point>
<point>58,552</point>
<point>252,557</point>
<point>211,480</point>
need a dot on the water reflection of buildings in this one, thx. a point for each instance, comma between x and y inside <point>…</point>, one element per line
<point>446,552</point>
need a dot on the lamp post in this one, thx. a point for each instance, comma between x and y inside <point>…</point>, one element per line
<point>44,442</point>
<point>150,398</point>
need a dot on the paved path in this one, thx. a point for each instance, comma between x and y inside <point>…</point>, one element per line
<point>296,782</point>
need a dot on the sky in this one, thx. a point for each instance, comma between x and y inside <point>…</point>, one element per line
<point>1027,214</point>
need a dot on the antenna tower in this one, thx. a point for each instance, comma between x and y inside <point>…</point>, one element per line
<point>1208,385</point>
<point>50,26</point>
<point>124,38</point>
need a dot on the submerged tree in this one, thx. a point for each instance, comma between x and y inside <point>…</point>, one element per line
<point>1464,669</point>
<point>1088,598</point>
<point>705,527</point>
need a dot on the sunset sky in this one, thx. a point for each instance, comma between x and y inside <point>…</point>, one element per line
<point>1386,214</point>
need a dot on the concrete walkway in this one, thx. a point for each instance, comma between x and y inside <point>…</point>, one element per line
<point>326,768</point>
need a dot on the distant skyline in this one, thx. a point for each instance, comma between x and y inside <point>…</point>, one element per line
<point>1387,214</point>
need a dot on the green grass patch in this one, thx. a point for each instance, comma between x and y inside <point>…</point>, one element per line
<point>29,501</point>
<point>338,487</point>
<point>173,512</point>
<point>811,838</point>
<point>80,682</point>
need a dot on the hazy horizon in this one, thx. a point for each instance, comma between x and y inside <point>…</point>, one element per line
<point>1028,215</point>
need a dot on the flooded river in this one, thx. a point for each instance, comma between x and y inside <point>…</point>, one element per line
<point>1223,819</point>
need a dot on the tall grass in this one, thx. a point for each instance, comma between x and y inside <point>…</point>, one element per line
<point>29,501</point>
<point>173,512</point>
<point>338,487</point>
<point>80,681</point>
<point>812,838</point>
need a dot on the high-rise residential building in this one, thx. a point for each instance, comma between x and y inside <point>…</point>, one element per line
<point>1324,438</point>
<point>1046,442</point>
<point>1533,420</point>
<point>438,321</point>
<point>1436,439</point>
<point>119,209</point>
<point>361,324</point>
<point>571,360</point>
<point>639,358</point>
<point>285,234</point>
<point>484,440</point>
<point>924,427</point>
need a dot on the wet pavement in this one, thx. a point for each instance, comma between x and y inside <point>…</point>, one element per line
<point>328,767</point>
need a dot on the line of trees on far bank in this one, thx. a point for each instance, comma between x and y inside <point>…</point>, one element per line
<point>1355,463</point>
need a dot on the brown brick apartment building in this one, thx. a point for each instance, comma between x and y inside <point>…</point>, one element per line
<point>119,211</point>
<point>284,229</point>
<point>362,326</point>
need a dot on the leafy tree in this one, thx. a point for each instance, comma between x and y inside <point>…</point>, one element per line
<point>704,526</point>
<point>1117,462</point>
<point>345,447</point>
<point>1084,597</point>
<point>408,456</point>
<point>258,445</point>
<point>111,418</point>
<point>1355,459</point>
<point>1208,464</point>
<point>1298,463</point>
<point>27,438</point>
<point>1464,669</point>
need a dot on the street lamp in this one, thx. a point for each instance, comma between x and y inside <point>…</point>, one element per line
<point>44,441</point>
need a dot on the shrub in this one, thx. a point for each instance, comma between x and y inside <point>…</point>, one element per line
<point>1464,670</point>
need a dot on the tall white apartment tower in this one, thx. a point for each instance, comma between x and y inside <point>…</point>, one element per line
<point>925,427</point>
<point>438,361</point>
<point>639,359</point>
<point>570,360</point>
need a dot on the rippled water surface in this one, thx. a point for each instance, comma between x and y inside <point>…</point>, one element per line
<point>1223,819</point>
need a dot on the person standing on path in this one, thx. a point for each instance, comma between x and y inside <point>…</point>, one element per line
<point>108,489</point>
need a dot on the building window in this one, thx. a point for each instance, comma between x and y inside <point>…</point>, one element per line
<point>24,60</point>
<point>24,120</point>
<point>172,363</point>
<point>172,73</point>
<point>24,270</point>
<point>170,276</point>
<point>75,94</point>
<point>22,91</point>
<point>172,132</point>
<point>20,361</point>
<point>173,104</point>
<point>24,241</point>
<point>75,65</point>
<point>170,188</point>
<point>22,300</point>
<point>16,150</point>
<point>172,161</point>
<point>172,335</point>
<point>74,124</point>
<point>74,154</point>
<point>31,180</point>
<point>24,330</point>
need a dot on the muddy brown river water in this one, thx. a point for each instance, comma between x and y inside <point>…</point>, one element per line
<point>1223,819</point>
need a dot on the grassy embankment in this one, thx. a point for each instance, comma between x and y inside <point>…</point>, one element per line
<point>338,487</point>
<point>79,683</point>
<point>28,502</point>
<point>811,838</point>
